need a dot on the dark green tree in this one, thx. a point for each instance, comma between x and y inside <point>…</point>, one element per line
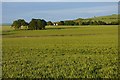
<point>18,23</point>
<point>76,23</point>
<point>44,23</point>
<point>32,25</point>
<point>37,24</point>
<point>114,23</point>
<point>23,22</point>
<point>61,23</point>
<point>95,23</point>
<point>69,23</point>
<point>49,23</point>
<point>101,23</point>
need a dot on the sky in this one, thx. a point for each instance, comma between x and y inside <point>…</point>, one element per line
<point>59,0</point>
<point>55,11</point>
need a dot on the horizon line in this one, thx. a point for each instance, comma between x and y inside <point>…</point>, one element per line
<point>65,19</point>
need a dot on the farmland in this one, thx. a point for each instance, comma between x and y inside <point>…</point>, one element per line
<point>60,52</point>
<point>106,19</point>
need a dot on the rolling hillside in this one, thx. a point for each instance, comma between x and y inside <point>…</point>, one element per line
<point>107,19</point>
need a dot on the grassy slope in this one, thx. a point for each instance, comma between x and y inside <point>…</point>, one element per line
<point>108,18</point>
<point>66,54</point>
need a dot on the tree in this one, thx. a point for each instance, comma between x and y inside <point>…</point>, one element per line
<point>37,24</point>
<point>61,23</point>
<point>49,23</point>
<point>44,23</point>
<point>32,25</point>
<point>76,23</point>
<point>69,23</point>
<point>18,23</point>
<point>114,23</point>
<point>84,23</point>
<point>101,23</point>
<point>95,23</point>
<point>24,23</point>
<point>92,22</point>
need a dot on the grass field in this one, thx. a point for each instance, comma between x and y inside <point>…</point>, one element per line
<point>61,52</point>
<point>107,19</point>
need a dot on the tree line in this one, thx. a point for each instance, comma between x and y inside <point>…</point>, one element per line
<point>38,24</point>
<point>84,22</point>
<point>34,24</point>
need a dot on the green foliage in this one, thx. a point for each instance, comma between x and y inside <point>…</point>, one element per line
<point>33,24</point>
<point>61,23</point>
<point>114,23</point>
<point>44,23</point>
<point>92,22</point>
<point>49,23</point>
<point>69,23</point>
<point>71,52</point>
<point>99,20</point>
<point>37,24</point>
<point>101,23</point>
<point>18,23</point>
<point>106,19</point>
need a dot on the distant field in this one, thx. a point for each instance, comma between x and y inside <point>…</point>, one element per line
<point>58,52</point>
<point>107,19</point>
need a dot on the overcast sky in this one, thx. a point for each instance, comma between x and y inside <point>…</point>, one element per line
<point>56,11</point>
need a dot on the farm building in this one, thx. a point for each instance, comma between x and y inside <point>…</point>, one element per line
<point>55,24</point>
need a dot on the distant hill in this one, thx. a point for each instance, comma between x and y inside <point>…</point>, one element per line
<point>107,19</point>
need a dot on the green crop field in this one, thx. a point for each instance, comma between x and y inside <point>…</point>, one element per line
<point>60,52</point>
